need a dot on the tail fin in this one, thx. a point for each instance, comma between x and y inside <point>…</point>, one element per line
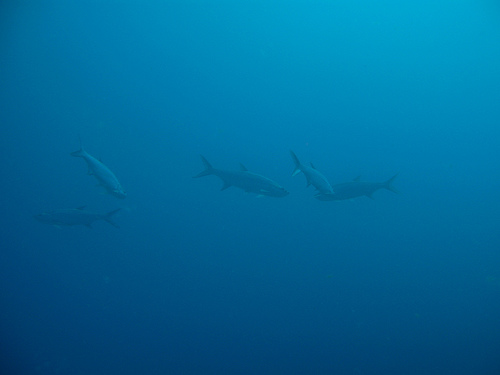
<point>388,184</point>
<point>208,168</point>
<point>107,217</point>
<point>80,152</point>
<point>297,163</point>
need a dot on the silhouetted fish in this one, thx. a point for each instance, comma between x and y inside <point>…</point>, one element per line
<point>313,176</point>
<point>103,174</point>
<point>356,188</point>
<point>243,179</point>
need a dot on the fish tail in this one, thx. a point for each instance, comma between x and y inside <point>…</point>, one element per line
<point>79,153</point>
<point>208,168</point>
<point>388,184</point>
<point>297,163</point>
<point>107,217</point>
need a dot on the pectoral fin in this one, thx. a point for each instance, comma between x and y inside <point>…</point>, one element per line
<point>225,186</point>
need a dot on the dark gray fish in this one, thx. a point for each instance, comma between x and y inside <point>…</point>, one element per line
<point>103,174</point>
<point>356,188</point>
<point>243,179</point>
<point>313,176</point>
<point>77,216</point>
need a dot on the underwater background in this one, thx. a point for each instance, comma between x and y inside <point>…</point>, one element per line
<point>203,281</point>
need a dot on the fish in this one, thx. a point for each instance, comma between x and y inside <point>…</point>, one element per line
<point>357,188</point>
<point>248,181</point>
<point>76,216</point>
<point>103,174</point>
<point>313,176</point>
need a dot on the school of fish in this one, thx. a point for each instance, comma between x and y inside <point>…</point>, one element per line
<point>243,179</point>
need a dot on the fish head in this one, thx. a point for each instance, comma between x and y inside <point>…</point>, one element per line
<point>280,192</point>
<point>120,193</point>
<point>326,197</point>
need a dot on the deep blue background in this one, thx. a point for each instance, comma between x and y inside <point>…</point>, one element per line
<point>199,281</point>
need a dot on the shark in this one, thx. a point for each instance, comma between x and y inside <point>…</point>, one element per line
<point>76,216</point>
<point>313,176</point>
<point>356,188</point>
<point>244,179</point>
<point>102,173</point>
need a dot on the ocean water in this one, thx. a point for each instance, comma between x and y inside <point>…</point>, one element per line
<point>203,281</point>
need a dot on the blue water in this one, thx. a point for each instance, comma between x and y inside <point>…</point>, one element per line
<point>203,281</point>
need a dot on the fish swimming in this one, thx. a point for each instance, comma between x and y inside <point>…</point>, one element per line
<point>357,188</point>
<point>103,174</point>
<point>313,176</point>
<point>77,216</point>
<point>243,179</point>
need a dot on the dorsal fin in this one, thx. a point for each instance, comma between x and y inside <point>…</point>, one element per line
<point>357,179</point>
<point>312,165</point>
<point>243,168</point>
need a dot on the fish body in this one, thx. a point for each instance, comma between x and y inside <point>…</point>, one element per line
<point>77,216</point>
<point>248,181</point>
<point>357,188</point>
<point>102,173</point>
<point>313,176</point>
